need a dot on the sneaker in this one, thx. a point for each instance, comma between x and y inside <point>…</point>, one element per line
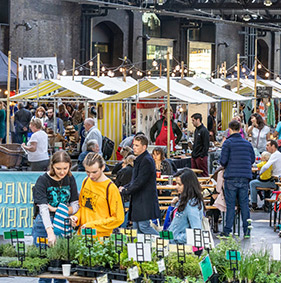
<point>247,235</point>
<point>223,236</point>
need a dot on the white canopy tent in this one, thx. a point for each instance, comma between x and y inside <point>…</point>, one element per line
<point>217,91</point>
<point>48,86</point>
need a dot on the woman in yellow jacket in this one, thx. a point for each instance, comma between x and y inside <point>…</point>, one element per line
<point>100,202</point>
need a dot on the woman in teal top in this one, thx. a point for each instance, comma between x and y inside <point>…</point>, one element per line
<point>2,122</point>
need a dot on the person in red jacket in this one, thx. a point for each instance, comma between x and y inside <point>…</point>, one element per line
<point>161,130</point>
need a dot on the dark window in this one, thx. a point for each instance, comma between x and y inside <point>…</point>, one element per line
<point>4,12</point>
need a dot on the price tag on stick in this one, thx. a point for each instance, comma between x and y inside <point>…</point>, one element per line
<point>161,265</point>
<point>133,273</point>
<point>102,279</point>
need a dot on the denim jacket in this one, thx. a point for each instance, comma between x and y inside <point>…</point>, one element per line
<point>191,217</point>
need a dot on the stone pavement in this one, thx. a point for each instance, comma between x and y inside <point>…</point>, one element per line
<point>262,234</point>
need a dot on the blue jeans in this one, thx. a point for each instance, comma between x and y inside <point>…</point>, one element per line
<point>39,230</point>
<point>233,188</point>
<point>143,227</point>
<point>257,183</point>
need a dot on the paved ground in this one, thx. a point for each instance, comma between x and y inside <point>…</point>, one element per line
<point>262,234</point>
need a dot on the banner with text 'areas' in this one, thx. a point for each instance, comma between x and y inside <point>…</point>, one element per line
<point>29,68</point>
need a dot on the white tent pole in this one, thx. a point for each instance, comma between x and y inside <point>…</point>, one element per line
<point>168,107</point>
<point>8,98</point>
<point>55,118</point>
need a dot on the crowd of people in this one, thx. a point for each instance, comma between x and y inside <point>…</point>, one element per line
<point>133,196</point>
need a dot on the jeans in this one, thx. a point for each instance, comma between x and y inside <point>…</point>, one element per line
<point>236,188</point>
<point>125,223</point>
<point>143,227</point>
<point>39,230</point>
<point>257,183</point>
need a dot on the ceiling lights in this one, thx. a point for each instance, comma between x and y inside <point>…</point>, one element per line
<point>267,3</point>
<point>246,18</point>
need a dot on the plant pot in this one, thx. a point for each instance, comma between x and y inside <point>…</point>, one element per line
<point>3,270</point>
<point>12,271</point>
<point>117,275</point>
<point>22,272</point>
<point>157,278</point>
<point>56,263</point>
<point>55,270</point>
<point>81,271</point>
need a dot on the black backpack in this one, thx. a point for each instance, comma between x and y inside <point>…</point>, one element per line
<point>107,147</point>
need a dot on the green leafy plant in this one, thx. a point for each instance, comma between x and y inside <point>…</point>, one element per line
<point>9,250</point>
<point>33,265</point>
<point>190,267</point>
<point>4,261</point>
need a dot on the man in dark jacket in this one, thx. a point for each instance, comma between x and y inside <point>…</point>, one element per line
<point>237,157</point>
<point>160,128</point>
<point>22,120</point>
<point>200,148</point>
<point>142,188</point>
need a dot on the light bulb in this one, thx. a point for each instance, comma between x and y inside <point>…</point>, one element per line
<point>102,74</point>
<point>185,71</point>
<point>154,63</point>
<point>235,68</point>
<point>173,74</point>
<point>267,74</point>
<point>76,72</point>
<point>64,73</point>
<point>91,63</point>
<point>6,92</point>
<point>243,70</point>
<point>259,66</point>
<point>92,73</point>
<point>102,68</point>
<point>149,73</point>
<point>277,78</point>
<point>58,76</point>
<point>232,76</point>
<point>177,68</point>
<point>131,71</point>
<point>252,73</point>
<point>156,68</point>
<point>165,70</point>
<point>121,70</point>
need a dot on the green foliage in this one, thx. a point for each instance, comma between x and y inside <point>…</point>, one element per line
<point>190,267</point>
<point>33,265</point>
<point>102,253</point>
<point>32,251</point>
<point>1,249</point>
<point>9,250</point>
<point>59,250</point>
<point>149,268</point>
<point>4,261</point>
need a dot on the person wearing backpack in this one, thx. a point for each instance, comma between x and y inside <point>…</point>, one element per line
<point>100,202</point>
<point>93,133</point>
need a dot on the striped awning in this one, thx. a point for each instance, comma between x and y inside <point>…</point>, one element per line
<point>75,89</point>
<point>133,90</point>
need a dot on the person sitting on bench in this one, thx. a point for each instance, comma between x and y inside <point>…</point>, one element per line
<point>264,180</point>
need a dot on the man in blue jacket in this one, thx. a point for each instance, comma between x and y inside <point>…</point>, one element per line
<point>142,189</point>
<point>237,157</point>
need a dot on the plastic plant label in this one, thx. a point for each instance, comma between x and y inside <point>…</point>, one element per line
<point>133,273</point>
<point>168,235</point>
<point>139,251</point>
<point>232,255</point>
<point>276,251</point>
<point>83,232</point>
<point>102,279</point>
<point>8,235</point>
<point>166,251</point>
<point>206,268</point>
<point>161,265</point>
<point>128,231</point>
<point>40,240</point>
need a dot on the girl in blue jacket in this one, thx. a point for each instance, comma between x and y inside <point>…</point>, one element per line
<point>188,212</point>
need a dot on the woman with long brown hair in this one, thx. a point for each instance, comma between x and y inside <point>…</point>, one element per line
<point>259,131</point>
